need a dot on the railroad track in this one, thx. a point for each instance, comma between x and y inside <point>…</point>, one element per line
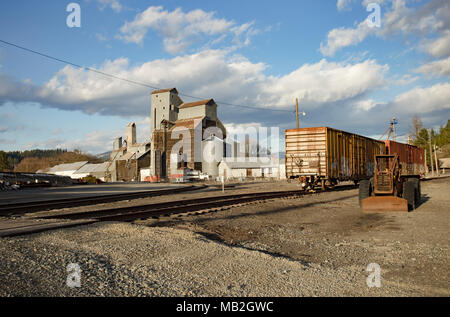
<point>156,210</point>
<point>21,208</point>
<point>172,207</point>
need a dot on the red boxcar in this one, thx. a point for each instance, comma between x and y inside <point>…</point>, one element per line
<point>412,158</point>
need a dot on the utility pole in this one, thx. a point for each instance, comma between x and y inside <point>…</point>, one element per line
<point>298,114</point>
<point>393,123</point>
<point>431,152</point>
<point>436,160</point>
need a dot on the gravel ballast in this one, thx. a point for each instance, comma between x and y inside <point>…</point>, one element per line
<point>317,245</point>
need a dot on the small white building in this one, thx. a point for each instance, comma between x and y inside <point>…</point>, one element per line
<point>97,170</point>
<point>231,169</point>
<point>64,169</point>
<point>444,165</point>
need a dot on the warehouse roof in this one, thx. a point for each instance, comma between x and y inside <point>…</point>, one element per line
<point>67,167</point>
<point>160,91</point>
<point>190,123</point>
<point>197,103</point>
<point>132,155</point>
<point>93,168</point>
<point>127,156</point>
<point>141,154</point>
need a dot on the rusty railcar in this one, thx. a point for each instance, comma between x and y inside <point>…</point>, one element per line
<point>324,156</point>
<point>411,158</point>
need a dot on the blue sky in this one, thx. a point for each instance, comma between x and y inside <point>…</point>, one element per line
<point>261,54</point>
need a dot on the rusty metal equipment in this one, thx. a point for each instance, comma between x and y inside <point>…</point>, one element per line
<point>389,189</point>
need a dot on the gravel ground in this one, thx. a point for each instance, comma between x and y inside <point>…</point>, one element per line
<point>318,245</point>
<point>131,260</point>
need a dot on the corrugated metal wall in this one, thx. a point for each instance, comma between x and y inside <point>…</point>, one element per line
<point>330,153</point>
<point>412,158</point>
<point>306,151</point>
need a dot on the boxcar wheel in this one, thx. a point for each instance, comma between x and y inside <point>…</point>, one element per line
<point>365,190</point>
<point>409,193</point>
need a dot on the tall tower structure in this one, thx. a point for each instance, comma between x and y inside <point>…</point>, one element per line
<point>165,103</point>
<point>164,106</point>
<point>131,134</point>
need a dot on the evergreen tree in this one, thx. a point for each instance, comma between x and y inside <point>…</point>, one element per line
<point>4,166</point>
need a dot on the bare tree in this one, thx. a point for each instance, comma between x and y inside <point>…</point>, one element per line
<point>417,125</point>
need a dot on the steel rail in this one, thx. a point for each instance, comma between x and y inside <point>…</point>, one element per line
<point>156,210</point>
<point>20,208</point>
<point>185,204</point>
<point>171,207</point>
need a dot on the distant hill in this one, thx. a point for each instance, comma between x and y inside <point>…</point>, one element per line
<point>104,156</point>
<point>31,161</point>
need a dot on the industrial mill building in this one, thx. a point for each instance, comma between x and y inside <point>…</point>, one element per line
<point>171,120</point>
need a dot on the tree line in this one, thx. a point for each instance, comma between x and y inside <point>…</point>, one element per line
<point>422,137</point>
<point>34,160</point>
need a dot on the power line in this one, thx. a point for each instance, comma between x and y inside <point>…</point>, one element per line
<point>129,80</point>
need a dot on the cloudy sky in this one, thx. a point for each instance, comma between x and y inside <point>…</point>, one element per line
<point>347,73</point>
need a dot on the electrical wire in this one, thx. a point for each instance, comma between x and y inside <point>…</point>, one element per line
<point>132,81</point>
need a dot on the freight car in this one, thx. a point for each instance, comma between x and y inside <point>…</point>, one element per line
<point>411,158</point>
<point>324,156</point>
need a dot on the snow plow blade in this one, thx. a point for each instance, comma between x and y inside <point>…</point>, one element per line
<point>384,204</point>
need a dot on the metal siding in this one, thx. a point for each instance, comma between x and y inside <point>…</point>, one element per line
<point>306,151</point>
<point>330,153</point>
<point>411,157</point>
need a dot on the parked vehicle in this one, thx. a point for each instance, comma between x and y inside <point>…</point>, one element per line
<point>392,187</point>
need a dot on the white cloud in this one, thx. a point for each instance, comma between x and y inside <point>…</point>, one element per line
<point>344,4</point>
<point>11,90</point>
<point>325,82</point>
<point>101,37</point>
<point>113,4</point>
<point>181,29</point>
<point>439,47</point>
<point>212,73</point>
<point>243,33</point>
<point>343,37</point>
<point>406,80</point>
<point>399,19</point>
<point>431,17</point>
<point>93,142</point>
<point>365,3</point>
<point>436,68</point>
<point>366,105</point>
<point>423,100</point>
